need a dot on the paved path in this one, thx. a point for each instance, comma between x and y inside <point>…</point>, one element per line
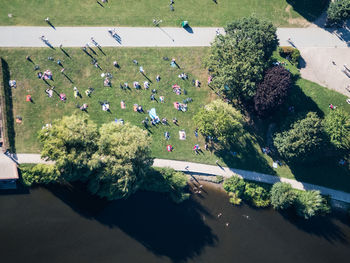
<point>204,169</point>
<point>155,36</point>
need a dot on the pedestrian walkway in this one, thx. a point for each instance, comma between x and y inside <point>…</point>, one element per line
<point>13,36</point>
<point>205,169</point>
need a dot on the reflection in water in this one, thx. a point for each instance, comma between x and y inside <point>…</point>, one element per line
<point>67,225</point>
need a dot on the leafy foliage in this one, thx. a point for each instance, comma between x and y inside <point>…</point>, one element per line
<point>310,203</point>
<point>121,162</point>
<point>291,53</point>
<point>273,91</point>
<point>260,31</point>
<point>337,127</point>
<point>219,120</point>
<point>239,58</point>
<point>338,11</point>
<point>167,180</point>
<point>256,195</point>
<point>302,140</point>
<point>40,174</point>
<point>251,192</point>
<point>234,185</point>
<point>70,142</point>
<point>282,195</point>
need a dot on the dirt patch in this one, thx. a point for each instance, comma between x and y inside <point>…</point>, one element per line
<point>296,21</point>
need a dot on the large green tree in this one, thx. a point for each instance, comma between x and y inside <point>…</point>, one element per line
<point>337,127</point>
<point>121,162</point>
<point>238,59</point>
<point>219,120</point>
<point>70,142</point>
<point>303,140</point>
<point>282,195</point>
<point>262,33</point>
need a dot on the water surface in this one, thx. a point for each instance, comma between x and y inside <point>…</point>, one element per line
<point>59,224</point>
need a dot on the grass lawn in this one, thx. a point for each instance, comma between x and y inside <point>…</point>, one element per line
<point>285,13</point>
<point>305,95</point>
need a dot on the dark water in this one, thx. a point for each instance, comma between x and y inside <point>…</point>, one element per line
<point>59,225</point>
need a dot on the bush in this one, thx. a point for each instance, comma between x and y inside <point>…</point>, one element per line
<point>273,91</point>
<point>40,174</point>
<point>234,199</point>
<point>303,141</point>
<point>256,195</point>
<point>234,185</point>
<point>338,12</point>
<point>293,54</point>
<point>337,127</point>
<point>310,203</point>
<point>282,195</point>
<point>166,180</point>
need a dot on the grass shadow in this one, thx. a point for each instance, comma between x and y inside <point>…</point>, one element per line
<point>8,114</point>
<point>309,9</point>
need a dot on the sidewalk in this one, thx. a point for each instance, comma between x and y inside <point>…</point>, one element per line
<point>155,37</point>
<point>204,169</point>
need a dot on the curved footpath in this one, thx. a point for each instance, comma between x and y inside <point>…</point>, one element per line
<point>19,36</point>
<point>205,169</point>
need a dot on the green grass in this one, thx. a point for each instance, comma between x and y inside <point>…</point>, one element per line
<point>305,96</point>
<point>142,12</point>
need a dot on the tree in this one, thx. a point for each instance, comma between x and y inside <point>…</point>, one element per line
<point>40,174</point>
<point>273,91</point>
<point>282,195</point>
<point>337,127</point>
<point>338,11</point>
<point>302,141</point>
<point>219,120</point>
<point>238,59</point>
<point>167,180</point>
<point>121,162</point>
<point>70,142</point>
<point>310,203</point>
<point>260,31</point>
<point>235,185</point>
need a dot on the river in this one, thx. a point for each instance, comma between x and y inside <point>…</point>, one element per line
<point>57,224</point>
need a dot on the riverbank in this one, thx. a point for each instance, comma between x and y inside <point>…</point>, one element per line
<point>216,182</point>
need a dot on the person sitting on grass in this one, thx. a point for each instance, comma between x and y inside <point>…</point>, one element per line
<point>167,135</point>
<point>164,121</point>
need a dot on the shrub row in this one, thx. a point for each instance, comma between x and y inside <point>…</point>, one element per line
<point>281,196</point>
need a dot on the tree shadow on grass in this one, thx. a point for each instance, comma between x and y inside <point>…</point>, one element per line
<point>8,114</point>
<point>245,156</point>
<point>167,229</point>
<point>309,9</point>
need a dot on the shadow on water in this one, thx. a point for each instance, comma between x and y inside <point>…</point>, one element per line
<point>321,226</point>
<point>163,227</point>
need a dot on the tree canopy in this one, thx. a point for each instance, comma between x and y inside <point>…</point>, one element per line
<point>70,142</point>
<point>238,59</point>
<point>302,141</point>
<point>121,162</point>
<point>337,127</point>
<point>219,120</point>
<point>272,91</point>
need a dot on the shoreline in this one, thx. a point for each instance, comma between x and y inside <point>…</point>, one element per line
<point>211,181</point>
